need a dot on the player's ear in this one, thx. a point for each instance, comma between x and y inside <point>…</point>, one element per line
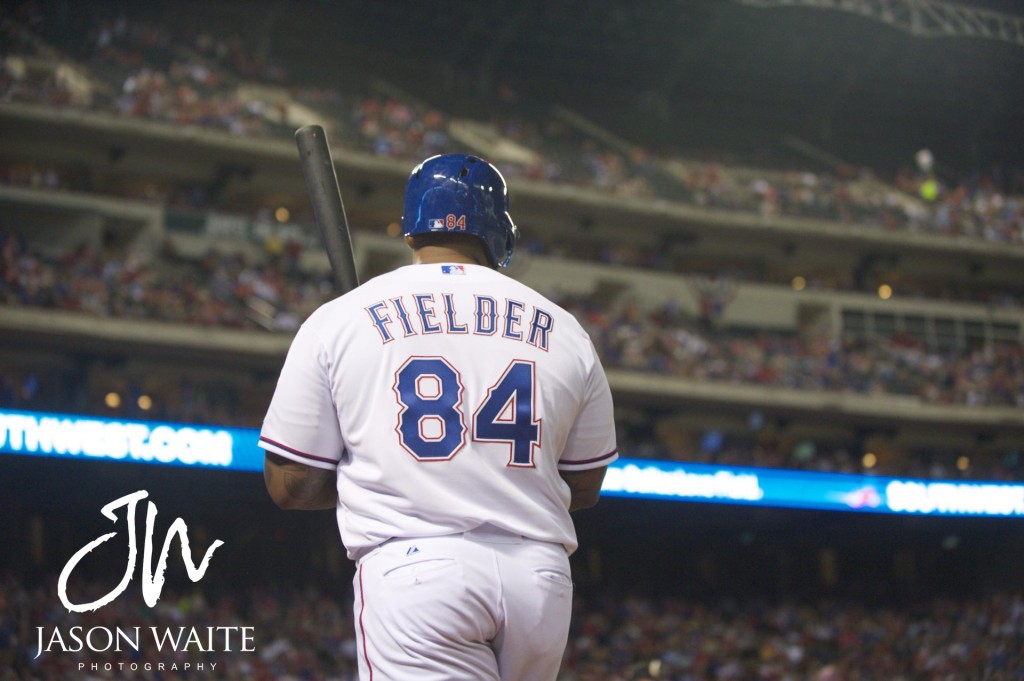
<point>409,242</point>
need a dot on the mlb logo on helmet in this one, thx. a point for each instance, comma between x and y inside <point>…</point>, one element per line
<point>437,224</point>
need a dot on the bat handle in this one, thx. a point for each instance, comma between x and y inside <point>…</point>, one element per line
<point>328,209</point>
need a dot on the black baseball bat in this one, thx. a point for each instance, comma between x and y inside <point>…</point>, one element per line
<point>328,209</point>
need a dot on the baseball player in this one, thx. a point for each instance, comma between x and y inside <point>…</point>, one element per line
<point>454,418</point>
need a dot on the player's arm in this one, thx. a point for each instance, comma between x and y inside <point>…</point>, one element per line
<point>296,486</point>
<point>585,486</point>
<point>301,435</point>
<point>591,443</point>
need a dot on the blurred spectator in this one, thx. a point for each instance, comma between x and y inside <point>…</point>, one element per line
<point>219,290</point>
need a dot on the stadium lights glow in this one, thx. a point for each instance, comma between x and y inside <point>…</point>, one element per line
<point>212,447</point>
<point>112,400</point>
<point>885,292</point>
<point>799,283</point>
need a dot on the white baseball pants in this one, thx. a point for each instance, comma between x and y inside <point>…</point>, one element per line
<point>479,606</point>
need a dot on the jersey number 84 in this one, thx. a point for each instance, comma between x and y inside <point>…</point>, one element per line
<point>431,422</point>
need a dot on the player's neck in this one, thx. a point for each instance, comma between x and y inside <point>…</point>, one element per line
<point>430,255</point>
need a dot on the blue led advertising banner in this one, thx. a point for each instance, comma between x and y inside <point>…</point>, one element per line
<point>213,447</point>
<point>104,439</point>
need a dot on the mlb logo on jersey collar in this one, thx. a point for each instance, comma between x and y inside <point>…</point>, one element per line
<point>453,269</point>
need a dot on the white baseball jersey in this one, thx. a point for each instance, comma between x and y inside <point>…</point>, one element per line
<point>446,397</point>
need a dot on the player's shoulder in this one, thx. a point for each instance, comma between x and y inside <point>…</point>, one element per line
<point>513,288</point>
<point>338,308</point>
<point>369,289</point>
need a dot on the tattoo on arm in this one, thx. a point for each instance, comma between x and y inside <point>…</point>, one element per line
<point>585,487</point>
<point>297,484</point>
<point>293,485</point>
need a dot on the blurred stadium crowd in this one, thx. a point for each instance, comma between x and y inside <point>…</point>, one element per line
<point>155,73</point>
<point>308,634</point>
<point>149,72</point>
<point>225,290</point>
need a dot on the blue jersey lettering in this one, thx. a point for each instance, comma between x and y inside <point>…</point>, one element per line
<point>449,313</point>
<point>540,328</point>
<point>417,315</point>
<point>426,313</point>
<point>379,321</point>
<point>403,317</point>
<point>512,320</point>
<point>486,316</point>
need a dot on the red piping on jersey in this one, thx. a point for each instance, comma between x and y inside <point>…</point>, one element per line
<point>586,461</point>
<point>296,452</point>
<point>362,630</point>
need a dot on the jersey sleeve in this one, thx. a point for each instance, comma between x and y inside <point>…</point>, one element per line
<point>302,423</point>
<point>591,442</point>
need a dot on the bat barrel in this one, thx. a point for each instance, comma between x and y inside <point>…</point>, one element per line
<point>328,209</point>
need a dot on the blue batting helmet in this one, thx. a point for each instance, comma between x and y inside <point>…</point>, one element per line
<point>460,194</point>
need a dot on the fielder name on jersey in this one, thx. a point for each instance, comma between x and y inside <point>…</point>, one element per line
<point>423,313</point>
